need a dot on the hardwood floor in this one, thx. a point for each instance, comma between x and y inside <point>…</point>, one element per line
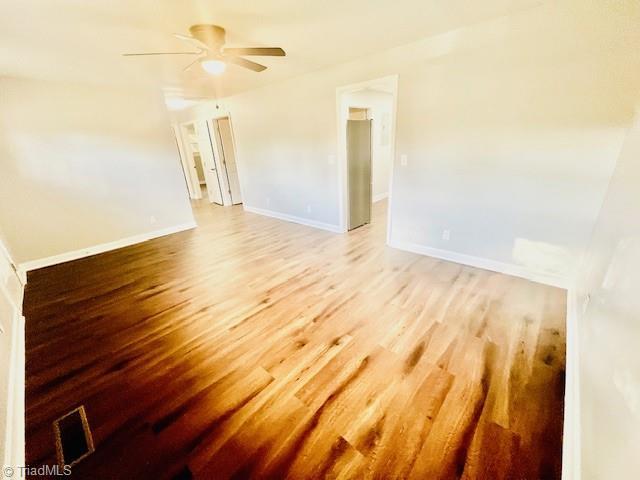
<point>252,347</point>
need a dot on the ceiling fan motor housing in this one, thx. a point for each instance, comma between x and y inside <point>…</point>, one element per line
<point>211,35</point>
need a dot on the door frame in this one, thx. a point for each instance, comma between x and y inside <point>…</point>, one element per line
<point>210,111</point>
<point>208,142</point>
<point>188,163</point>
<point>219,151</point>
<point>342,113</point>
<point>184,162</point>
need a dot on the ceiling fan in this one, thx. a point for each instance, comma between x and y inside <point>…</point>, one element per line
<point>209,41</point>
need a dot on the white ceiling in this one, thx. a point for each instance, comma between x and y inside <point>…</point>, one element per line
<point>81,40</point>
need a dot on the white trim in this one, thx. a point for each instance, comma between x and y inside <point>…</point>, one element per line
<point>12,406</point>
<point>571,458</point>
<point>191,173</point>
<point>394,126</point>
<point>235,152</point>
<point>218,154</point>
<point>380,196</point>
<point>291,218</point>
<point>10,290</point>
<point>14,454</point>
<point>14,298</point>
<point>186,171</point>
<point>484,263</point>
<point>210,168</point>
<point>101,248</point>
<point>221,171</point>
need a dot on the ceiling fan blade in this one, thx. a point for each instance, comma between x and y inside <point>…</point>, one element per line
<point>259,51</point>
<point>159,53</point>
<point>192,40</point>
<point>243,62</point>
<point>191,64</point>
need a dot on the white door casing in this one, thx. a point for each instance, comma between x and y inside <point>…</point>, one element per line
<point>208,162</point>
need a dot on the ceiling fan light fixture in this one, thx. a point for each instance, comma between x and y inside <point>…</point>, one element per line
<point>212,53</point>
<point>213,66</point>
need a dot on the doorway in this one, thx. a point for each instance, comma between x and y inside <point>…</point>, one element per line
<point>226,153</point>
<point>366,143</point>
<point>200,168</point>
<point>208,158</point>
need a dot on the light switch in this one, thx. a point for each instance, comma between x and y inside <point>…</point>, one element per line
<point>403,160</point>
<point>332,159</point>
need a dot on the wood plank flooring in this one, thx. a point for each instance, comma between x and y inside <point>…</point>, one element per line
<point>256,348</point>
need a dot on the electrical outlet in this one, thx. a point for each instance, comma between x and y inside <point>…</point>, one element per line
<point>446,235</point>
<point>403,160</point>
<point>152,219</point>
<point>308,208</point>
<point>332,159</point>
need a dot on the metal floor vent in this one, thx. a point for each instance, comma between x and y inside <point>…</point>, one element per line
<point>73,437</point>
<point>184,474</point>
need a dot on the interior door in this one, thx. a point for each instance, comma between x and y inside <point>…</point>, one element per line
<point>209,165</point>
<point>191,148</point>
<point>359,172</point>
<point>184,163</point>
<point>228,153</point>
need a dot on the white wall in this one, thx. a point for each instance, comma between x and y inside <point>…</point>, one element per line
<point>83,165</point>
<point>511,128</point>
<point>12,364</point>
<point>610,328</point>
<point>284,137</point>
<point>380,105</point>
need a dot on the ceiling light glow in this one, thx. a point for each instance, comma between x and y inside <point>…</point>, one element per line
<point>177,103</point>
<point>213,66</point>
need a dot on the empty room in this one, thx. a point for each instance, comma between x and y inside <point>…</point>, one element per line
<point>307,240</point>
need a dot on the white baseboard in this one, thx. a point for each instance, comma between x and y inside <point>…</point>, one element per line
<point>380,196</point>
<point>294,219</point>
<point>571,444</point>
<point>484,263</point>
<point>571,457</point>
<point>100,248</point>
